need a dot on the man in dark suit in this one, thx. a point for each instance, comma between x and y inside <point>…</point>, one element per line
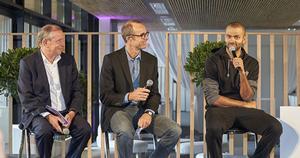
<point>50,77</point>
<point>127,102</point>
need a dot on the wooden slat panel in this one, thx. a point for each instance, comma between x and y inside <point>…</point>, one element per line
<point>285,71</point>
<point>272,81</point>
<point>116,40</point>
<point>219,37</point>
<point>23,40</point>
<point>205,154</point>
<point>89,88</point>
<point>272,76</point>
<point>102,140</point>
<point>102,48</point>
<point>10,41</point>
<point>258,57</point>
<point>10,123</point>
<point>167,78</point>
<point>192,107</point>
<point>178,93</point>
<point>205,37</point>
<point>246,44</point>
<point>76,50</point>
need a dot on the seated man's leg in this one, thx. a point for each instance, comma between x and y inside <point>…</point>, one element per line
<point>263,124</point>
<point>43,135</point>
<point>121,125</point>
<point>169,133</point>
<point>80,131</point>
<point>218,120</point>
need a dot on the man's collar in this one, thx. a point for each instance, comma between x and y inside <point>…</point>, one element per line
<point>129,58</point>
<point>56,59</point>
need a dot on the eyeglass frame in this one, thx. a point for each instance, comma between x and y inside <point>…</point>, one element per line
<point>142,35</point>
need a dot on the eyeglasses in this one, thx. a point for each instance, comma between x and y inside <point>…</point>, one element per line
<point>142,35</point>
<point>236,37</point>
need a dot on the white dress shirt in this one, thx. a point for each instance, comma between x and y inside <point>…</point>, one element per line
<point>56,95</point>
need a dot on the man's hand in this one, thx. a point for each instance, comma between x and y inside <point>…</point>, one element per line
<point>145,120</point>
<point>139,94</point>
<point>54,121</point>
<point>70,116</point>
<point>251,104</point>
<point>238,64</point>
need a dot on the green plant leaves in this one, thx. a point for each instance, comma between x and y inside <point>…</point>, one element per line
<point>195,61</point>
<point>9,69</point>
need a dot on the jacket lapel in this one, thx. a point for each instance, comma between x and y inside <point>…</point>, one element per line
<point>41,70</point>
<point>143,69</point>
<point>62,74</point>
<point>125,67</point>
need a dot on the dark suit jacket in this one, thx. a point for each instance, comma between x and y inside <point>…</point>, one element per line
<point>34,90</point>
<point>115,82</point>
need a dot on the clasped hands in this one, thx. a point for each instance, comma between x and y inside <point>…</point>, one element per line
<point>55,121</point>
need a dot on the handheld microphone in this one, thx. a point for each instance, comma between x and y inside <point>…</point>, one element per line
<point>65,131</point>
<point>233,51</point>
<point>149,83</point>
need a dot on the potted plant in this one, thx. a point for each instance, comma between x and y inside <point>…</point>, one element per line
<point>195,61</point>
<point>9,72</point>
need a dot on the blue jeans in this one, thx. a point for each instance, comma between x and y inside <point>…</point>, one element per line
<point>164,128</point>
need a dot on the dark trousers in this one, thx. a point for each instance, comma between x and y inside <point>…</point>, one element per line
<point>219,119</point>
<point>80,131</point>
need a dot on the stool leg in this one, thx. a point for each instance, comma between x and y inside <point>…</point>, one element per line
<point>27,137</point>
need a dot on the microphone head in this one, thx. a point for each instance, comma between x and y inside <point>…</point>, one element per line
<point>232,50</point>
<point>66,131</point>
<point>149,83</point>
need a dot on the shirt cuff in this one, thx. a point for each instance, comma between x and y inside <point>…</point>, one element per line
<point>150,111</point>
<point>45,114</point>
<point>125,101</point>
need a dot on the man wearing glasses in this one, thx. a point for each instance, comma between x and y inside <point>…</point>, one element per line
<point>230,84</point>
<point>129,102</point>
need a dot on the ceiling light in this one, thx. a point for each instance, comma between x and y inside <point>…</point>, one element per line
<point>172,28</point>
<point>159,8</point>
<point>167,21</point>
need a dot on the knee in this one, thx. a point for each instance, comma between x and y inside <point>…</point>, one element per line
<point>86,130</point>
<point>176,131</point>
<point>276,129</point>
<point>46,133</point>
<point>212,132</point>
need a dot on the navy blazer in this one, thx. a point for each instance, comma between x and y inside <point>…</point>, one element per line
<point>115,82</point>
<point>33,86</point>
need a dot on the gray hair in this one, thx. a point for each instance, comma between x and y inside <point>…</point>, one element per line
<point>45,32</point>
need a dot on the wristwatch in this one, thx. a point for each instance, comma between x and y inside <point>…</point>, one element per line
<point>149,113</point>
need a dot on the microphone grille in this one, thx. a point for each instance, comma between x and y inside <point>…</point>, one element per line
<point>232,49</point>
<point>66,131</point>
<point>149,83</point>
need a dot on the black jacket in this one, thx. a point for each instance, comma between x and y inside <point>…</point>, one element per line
<point>115,82</point>
<point>33,86</point>
<point>221,78</point>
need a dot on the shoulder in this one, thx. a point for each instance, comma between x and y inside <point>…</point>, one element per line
<point>148,56</point>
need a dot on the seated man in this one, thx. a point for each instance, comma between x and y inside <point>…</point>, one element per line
<point>127,102</point>
<point>229,86</point>
<point>50,77</point>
